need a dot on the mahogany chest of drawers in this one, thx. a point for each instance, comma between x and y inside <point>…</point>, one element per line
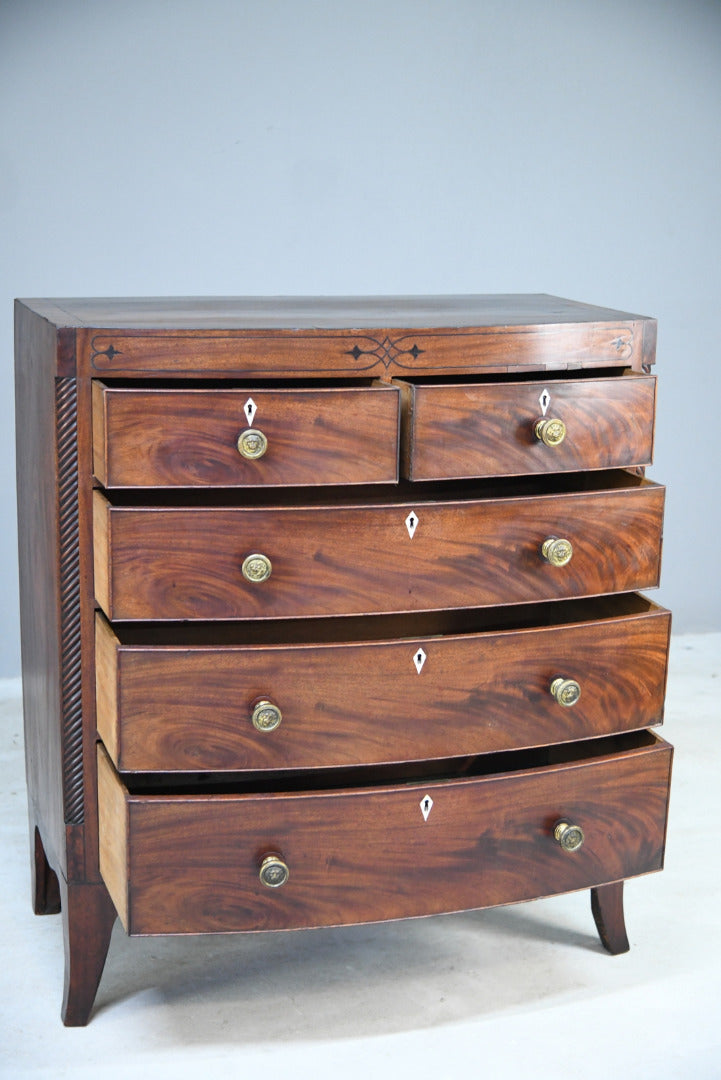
<point>330,611</point>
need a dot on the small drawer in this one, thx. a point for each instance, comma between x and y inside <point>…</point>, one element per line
<point>498,429</point>
<point>162,438</point>
<point>311,697</point>
<point>179,861</point>
<point>375,556</point>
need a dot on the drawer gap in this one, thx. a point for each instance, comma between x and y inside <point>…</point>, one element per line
<point>383,627</point>
<point>482,379</point>
<point>373,495</point>
<point>420,772</point>
<point>187,383</point>
<point>290,383</point>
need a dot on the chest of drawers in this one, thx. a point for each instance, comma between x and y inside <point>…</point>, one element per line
<point>330,611</point>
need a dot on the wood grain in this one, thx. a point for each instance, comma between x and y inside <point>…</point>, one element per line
<point>165,438</point>
<point>173,684</point>
<point>106,686</point>
<point>102,554</point>
<point>88,919</point>
<point>311,337</point>
<point>607,910</point>
<point>353,559</point>
<point>456,431</point>
<point>361,855</point>
<point>207,313</point>
<point>166,708</point>
<point>36,363</point>
<point>113,835</point>
<point>391,350</point>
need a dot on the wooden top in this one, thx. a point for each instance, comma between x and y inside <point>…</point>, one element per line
<point>338,337</point>
<point>328,313</point>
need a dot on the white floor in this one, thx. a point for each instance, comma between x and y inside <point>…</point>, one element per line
<point>518,992</point>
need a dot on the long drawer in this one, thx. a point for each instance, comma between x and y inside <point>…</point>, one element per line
<point>314,697</point>
<point>279,561</point>
<point>160,437</point>
<point>527,427</point>
<point>185,863</point>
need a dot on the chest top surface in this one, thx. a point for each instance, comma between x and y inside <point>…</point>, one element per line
<point>329,312</point>
<point>343,337</point>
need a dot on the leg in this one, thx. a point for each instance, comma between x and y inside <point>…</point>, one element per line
<point>607,908</point>
<point>44,884</point>
<point>88,917</point>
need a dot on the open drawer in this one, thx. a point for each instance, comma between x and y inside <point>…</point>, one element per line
<point>573,537</point>
<point>516,427</point>
<point>257,436</point>
<point>381,844</point>
<point>350,692</point>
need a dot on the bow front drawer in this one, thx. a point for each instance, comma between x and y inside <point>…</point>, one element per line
<point>530,427</point>
<point>330,694</point>
<point>265,859</point>
<point>205,437</point>
<point>195,562</point>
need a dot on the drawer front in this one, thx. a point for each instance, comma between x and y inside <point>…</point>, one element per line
<point>190,438</point>
<point>351,703</point>
<point>190,863</point>
<point>490,429</point>
<point>188,563</point>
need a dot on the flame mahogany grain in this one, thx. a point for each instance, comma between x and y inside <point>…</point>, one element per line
<point>355,702</point>
<point>488,430</point>
<point>132,498</point>
<point>167,438</point>
<point>185,563</point>
<point>362,855</point>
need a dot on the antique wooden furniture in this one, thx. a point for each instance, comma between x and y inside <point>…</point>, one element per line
<point>329,611</point>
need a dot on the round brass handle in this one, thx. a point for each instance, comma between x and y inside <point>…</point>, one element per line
<point>273,871</point>
<point>557,551</point>
<point>565,691</point>
<point>257,568</point>
<point>570,837</point>
<point>252,444</point>
<point>266,716</point>
<point>550,432</point>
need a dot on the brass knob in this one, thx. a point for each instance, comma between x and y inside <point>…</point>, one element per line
<point>565,691</point>
<point>252,444</point>
<point>551,432</point>
<point>266,716</point>
<point>273,871</point>
<point>257,568</point>
<point>557,551</point>
<point>570,837</point>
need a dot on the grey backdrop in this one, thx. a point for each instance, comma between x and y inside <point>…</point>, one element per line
<point>157,147</point>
